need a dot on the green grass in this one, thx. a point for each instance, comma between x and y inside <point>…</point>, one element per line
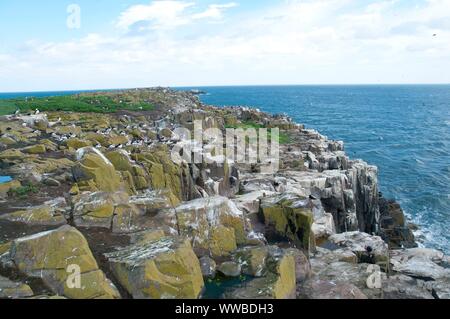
<point>282,139</point>
<point>73,103</point>
<point>23,191</point>
<point>7,107</point>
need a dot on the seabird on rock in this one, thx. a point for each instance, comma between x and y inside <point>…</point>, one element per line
<point>37,112</point>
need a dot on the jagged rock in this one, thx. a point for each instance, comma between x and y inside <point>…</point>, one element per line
<point>250,202</point>
<point>6,187</point>
<point>165,174</point>
<point>94,172</point>
<point>208,266</point>
<point>50,255</point>
<point>50,214</point>
<point>302,265</point>
<point>323,289</point>
<point>279,281</point>
<point>163,269</point>
<point>289,216</point>
<point>151,202</point>
<point>252,260</point>
<point>35,149</point>
<point>420,263</point>
<point>123,163</point>
<point>147,236</point>
<point>230,269</point>
<point>204,219</point>
<point>369,249</point>
<point>13,290</point>
<point>77,143</point>
<point>404,287</point>
<point>355,274</point>
<point>393,225</point>
<point>97,209</point>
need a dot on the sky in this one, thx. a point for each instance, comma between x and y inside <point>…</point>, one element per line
<point>83,44</point>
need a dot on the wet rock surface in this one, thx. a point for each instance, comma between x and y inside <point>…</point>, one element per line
<point>99,195</point>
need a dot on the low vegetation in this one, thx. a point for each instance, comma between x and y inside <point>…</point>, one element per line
<point>75,103</point>
<point>282,139</point>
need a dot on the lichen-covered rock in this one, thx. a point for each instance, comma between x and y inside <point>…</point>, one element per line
<point>163,269</point>
<point>253,260</point>
<point>6,187</point>
<point>208,266</point>
<point>323,289</point>
<point>278,283</point>
<point>123,163</point>
<point>230,269</point>
<point>53,256</point>
<point>151,202</point>
<point>289,216</point>
<point>76,143</point>
<point>50,214</point>
<point>35,149</point>
<point>94,172</point>
<point>199,219</point>
<point>369,249</point>
<point>13,290</point>
<point>97,209</point>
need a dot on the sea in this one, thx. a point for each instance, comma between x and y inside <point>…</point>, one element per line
<point>402,129</point>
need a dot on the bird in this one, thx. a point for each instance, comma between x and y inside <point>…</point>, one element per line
<point>17,112</point>
<point>37,112</point>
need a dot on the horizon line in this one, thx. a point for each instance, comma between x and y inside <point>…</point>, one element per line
<point>225,86</point>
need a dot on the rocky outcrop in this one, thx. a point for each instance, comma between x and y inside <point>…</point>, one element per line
<point>278,282</point>
<point>53,257</point>
<point>289,216</point>
<point>214,224</point>
<point>163,269</point>
<point>317,228</point>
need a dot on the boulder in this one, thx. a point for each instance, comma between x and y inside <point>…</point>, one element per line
<point>230,269</point>
<point>6,187</point>
<point>279,282</point>
<point>325,290</point>
<point>253,260</point>
<point>289,216</point>
<point>206,220</point>
<point>35,149</point>
<point>369,249</point>
<point>49,214</point>
<point>420,263</point>
<point>162,269</point>
<point>404,287</point>
<point>94,172</point>
<point>208,267</point>
<point>97,209</point>
<point>14,290</point>
<point>123,163</point>
<point>54,257</point>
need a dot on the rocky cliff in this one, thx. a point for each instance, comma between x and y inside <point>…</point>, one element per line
<point>99,208</point>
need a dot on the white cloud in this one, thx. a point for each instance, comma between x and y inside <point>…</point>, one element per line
<point>214,11</point>
<point>169,14</point>
<point>312,41</point>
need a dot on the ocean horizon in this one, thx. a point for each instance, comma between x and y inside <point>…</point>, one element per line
<point>403,129</point>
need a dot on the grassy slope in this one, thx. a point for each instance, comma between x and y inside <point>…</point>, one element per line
<point>283,137</point>
<point>74,103</point>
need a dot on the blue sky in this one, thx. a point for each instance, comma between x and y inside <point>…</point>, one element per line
<point>210,42</point>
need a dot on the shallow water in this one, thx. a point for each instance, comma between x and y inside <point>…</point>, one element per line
<point>4,179</point>
<point>404,130</point>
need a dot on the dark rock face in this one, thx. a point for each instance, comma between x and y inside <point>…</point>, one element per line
<point>393,225</point>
